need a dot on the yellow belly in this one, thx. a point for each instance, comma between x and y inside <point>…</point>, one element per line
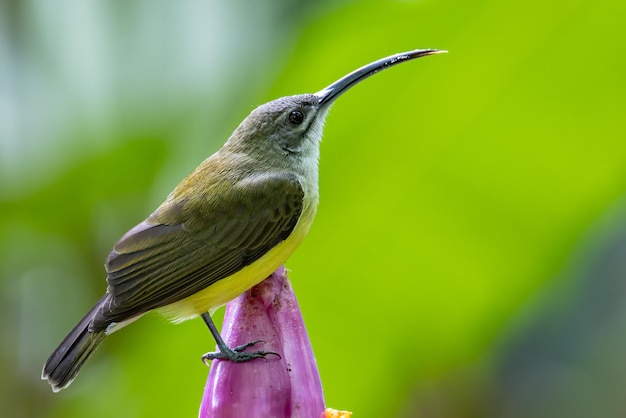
<point>225,290</point>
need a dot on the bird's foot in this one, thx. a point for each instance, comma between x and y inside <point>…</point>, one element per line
<point>236,354</point>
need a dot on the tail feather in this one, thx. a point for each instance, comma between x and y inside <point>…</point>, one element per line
<point>65,362</point>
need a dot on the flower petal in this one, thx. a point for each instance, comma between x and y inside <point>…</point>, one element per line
<point>272,387</point>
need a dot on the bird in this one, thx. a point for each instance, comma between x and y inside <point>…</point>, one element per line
<point>227,226</point>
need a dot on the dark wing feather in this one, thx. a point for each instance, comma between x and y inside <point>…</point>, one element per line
<point>158,262</point>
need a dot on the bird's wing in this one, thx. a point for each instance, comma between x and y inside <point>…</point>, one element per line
<point>186,246</point>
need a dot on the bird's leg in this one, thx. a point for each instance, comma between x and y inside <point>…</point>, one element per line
<point>235,354</point>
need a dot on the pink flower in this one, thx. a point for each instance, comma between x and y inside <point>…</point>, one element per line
<point>285,386</point>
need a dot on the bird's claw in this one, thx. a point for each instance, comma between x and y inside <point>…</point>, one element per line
<point>237,355</point>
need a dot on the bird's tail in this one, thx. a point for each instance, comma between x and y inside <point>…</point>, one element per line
<point>65,362</point>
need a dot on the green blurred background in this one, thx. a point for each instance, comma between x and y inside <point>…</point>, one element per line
<point>469,254</point>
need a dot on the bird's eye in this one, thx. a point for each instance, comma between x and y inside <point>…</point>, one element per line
<point>296,117</point>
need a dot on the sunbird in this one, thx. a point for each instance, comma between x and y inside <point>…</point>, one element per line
<point>227,226</point>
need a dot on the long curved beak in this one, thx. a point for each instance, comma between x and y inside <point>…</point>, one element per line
<point>330,93</point>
